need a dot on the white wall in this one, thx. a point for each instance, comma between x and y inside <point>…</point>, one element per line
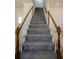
<point>57,14</point>
<point>18,11</point>
<point>21,9</point>
<point>56,9</point>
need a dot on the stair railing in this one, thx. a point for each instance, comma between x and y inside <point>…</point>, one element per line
<point>58,30</point>
<point>18,30</point>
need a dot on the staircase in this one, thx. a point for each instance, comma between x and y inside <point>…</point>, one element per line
<point>38,41</point>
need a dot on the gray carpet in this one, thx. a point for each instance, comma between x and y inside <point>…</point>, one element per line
<point>38,41</point>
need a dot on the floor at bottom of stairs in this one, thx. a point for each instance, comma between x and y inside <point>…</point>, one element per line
<point>38,55</point>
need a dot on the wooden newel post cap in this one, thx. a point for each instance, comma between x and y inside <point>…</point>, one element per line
<point>59,30</point>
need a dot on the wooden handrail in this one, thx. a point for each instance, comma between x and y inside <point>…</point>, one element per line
<point>26,18</point>
<point>45,8</point>
<point>18,29</point>
<point>50,16</point>
<point>52,19</point>
<point>58,28</point>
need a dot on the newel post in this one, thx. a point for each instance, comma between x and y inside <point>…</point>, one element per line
<point>17,55</point>
<point>58,42</point>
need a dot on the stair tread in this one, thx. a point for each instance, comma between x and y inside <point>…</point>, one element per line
<point>39,55</point>
<point>38,43</point>
<point>38,29</point>
<point>38,37</point>
<point>38,16</point>
<point>37,22</point>
<point>38,46</point>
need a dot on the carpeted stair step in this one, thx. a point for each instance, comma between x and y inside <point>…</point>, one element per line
<point>38,26</point>
<point>38,19</point>
<point>38,55</point>
<point>38,46</point>
<point>37,22</point>
<point>38,16</point>
<point>38,38</point>
<point>38,31</point>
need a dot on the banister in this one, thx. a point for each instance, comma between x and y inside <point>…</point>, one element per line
<point>45,8</point>
<point>50,16</point>
<point>17,53</point>
<point>52,20</point>
<point>25,18</point>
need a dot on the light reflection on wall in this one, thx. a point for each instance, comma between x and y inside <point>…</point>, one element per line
<point>19,20</point>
